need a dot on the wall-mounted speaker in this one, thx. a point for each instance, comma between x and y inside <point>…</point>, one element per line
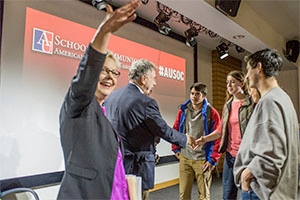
<point>292,50</point>
<point>228,7</point>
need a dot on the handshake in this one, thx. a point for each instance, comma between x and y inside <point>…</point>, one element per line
<point>195,143</point>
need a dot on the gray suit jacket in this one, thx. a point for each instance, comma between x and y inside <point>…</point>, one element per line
<point>137,119</point>
<point>88,140</point>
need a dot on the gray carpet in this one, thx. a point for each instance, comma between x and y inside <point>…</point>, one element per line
<point>172,193</point>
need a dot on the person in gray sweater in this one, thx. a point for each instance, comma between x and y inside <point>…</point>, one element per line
<point>266,165</point>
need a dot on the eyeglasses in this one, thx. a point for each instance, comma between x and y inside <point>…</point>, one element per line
<point>115,73</point>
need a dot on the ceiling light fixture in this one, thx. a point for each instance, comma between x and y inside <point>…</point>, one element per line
<point>174,16</point>
<point>239,49</point>
<point>238,37</point>
<point>190,35</point>
<point>145,1</point>
<point>223,50</point>
<point>161,23</point>
<point>99,4</point>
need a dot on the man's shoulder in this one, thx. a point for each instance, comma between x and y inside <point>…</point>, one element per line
<point>121,90</point>
<point>131,93</point>
<point>210,108</point>
<point>274,95</point>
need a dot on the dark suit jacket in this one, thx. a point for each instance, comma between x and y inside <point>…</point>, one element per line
<point>137,119</point>
<point>88,140</point>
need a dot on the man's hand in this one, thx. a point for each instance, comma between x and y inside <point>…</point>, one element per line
<point>191,141</point>
<point>246,177</point>
<point>177,155</point>
<point>115,19</point>
<point>112,22</point>
<point>208,166</point>
<point>157,158</point>
<point>199,142</point>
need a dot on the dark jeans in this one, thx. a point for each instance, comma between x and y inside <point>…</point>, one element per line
<point>229,188</point>
<point>249,195</point>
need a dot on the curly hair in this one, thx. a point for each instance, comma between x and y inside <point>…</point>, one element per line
<point>139,68</point>
<point>270,60</point>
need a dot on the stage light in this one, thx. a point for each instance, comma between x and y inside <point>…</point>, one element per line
<point>239,49</point>
<point>161,23</point>
<point>99,4</point>
<point>190,35</point>
<point>222,50</point>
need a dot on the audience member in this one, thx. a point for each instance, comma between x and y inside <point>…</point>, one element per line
<point>266,165</point>
<point>198,118</point>
<point>137,118</point>
<point>87,137</point>
<point>236,114</point>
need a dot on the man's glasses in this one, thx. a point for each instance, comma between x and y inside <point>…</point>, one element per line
<point>115,73</point>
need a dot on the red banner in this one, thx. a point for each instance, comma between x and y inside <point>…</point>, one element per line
<point>54,46</point>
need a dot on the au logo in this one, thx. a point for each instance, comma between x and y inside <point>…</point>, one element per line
<point>42,41</point>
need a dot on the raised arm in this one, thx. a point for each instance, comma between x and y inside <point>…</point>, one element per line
<point>83,85</point>
<point>112,22</point>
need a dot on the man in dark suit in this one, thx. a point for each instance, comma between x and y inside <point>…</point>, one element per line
<point>90,144</point>
<point>137,119</point>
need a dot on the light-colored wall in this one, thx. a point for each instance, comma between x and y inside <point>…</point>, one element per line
<point>288,80</point>
<point>205,69</point>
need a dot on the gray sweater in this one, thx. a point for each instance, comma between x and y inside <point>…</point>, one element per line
<point>270,148</point>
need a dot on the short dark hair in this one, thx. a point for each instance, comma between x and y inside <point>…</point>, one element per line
<point>200,87</point>
<point>270,60</point>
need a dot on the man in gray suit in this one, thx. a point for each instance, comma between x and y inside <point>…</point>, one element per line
<point>90,144</point>
<point>137,119</point>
